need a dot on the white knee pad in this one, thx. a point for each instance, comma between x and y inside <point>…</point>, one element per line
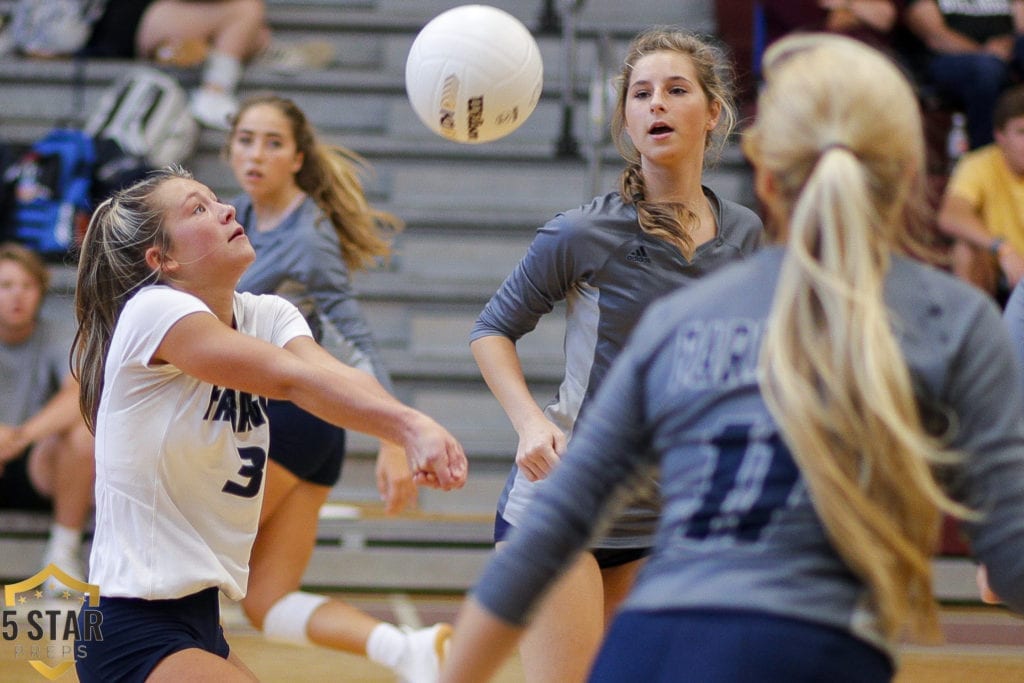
<point>287,618</point>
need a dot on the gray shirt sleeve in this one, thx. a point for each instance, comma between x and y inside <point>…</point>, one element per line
<point>987,398</point>
<point>1013,316</point>
<point>542,278</point>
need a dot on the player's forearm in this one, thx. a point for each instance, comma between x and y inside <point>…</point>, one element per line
<point>499,364</point>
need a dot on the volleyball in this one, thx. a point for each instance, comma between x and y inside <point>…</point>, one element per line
<point>474,74</point>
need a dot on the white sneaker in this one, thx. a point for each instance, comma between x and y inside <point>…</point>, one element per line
<point>292,58</point>
<point>425,651</point>
<point>70,563</point>
<point>213,108</point>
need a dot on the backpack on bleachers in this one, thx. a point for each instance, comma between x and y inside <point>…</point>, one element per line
<point>53,28</point>
<point>49,186</point>
<point>146,113</point>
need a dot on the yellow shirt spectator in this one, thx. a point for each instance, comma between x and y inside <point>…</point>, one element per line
<point>994,191</point>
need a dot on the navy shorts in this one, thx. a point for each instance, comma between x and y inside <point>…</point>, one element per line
<point>714,646</point>
<point>16,490</point>
<point>137,634</point>
<point>606,557</point>
<point>308,447</point>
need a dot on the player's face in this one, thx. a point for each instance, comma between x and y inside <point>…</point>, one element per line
<point>204,236</point>
<point>1011,140</point>
<point>667,114</point>
<point>20,298</point>
<point>263,153</point>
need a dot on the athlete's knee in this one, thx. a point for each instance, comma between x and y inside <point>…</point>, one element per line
<point>288,618</point>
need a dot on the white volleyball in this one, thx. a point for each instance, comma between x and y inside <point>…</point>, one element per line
<point>474,74</point>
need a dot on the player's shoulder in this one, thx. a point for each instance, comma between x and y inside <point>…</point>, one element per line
<point>607,212</point>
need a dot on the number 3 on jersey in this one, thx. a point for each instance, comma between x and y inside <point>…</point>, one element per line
<point>255,459</point>
<point>753,476</point>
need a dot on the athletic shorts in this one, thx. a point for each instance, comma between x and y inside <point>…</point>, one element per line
<point>16,490</point>
<point>606,557</point>
<point>138,634</point>
<point>716,646</point>
<point>305,445</point>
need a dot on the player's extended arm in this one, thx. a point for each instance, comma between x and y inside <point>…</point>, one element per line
<point>202,346</point>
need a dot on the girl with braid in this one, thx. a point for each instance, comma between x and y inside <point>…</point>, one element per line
<point>308,219</point>
<point>609,259</point>
<point>811,412</point>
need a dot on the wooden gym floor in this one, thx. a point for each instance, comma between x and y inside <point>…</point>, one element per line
<point>984,645</point>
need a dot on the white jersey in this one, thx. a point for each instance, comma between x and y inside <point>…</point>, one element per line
<point>179,462</point>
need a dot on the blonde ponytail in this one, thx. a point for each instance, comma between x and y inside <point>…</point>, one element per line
<point>833,374</point>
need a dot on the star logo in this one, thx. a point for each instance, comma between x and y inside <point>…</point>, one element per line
<point>41,619</point>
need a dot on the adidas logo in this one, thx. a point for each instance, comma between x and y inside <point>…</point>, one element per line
<point>638,255</point>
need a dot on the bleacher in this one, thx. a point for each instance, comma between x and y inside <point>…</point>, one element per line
<point>470,211</point>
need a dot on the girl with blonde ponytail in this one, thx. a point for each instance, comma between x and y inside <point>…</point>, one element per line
<point>811,412</point>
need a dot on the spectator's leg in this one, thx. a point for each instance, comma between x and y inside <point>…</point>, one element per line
<point>236,31</point>
<point>975,82</point>
<point>236,28</point>
<point>62,469</point>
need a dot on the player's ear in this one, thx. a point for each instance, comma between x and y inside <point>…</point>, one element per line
<point>714,114</point>
<point>157,260</point>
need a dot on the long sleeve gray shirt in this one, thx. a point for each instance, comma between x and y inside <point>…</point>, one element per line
<point>607,269</point>
<point>738,529</point>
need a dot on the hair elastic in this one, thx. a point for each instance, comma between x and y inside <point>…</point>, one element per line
<point>836,145</point>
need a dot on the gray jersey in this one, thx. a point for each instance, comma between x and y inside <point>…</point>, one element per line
<point>301,260</point>
<point>1013,316</point>
<point>738,529</point>
<point>608,270</point>
<point>33,371</point>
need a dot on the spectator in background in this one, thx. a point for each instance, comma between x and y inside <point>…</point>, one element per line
<point>870,21</point>
<point>222,35</point>
<point>983,205</point>
<point>46,452</point>
<point>968,50</point>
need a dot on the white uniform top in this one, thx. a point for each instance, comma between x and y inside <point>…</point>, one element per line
<point>179,462</point>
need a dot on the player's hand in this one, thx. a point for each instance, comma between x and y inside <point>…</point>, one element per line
<point>436,457</point>
<point>541,445</point>
<point>1011,263</point>
<point>999,46</point>
<point>987,596</point>
<point>12,443</point>
<point>394,479</point>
